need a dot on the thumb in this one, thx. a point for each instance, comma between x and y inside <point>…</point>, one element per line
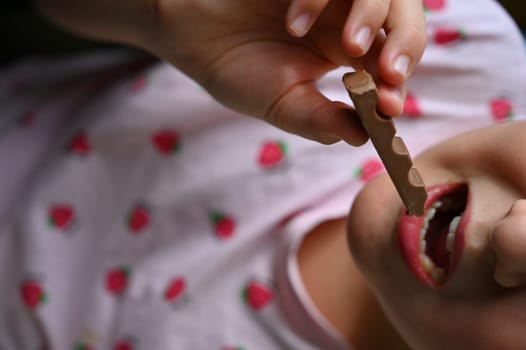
<point>303,110</point>
<point>508,242</point>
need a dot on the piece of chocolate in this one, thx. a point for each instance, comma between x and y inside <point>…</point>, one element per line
<point>390,148</point>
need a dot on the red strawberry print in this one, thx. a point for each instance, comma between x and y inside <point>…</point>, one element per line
<point>61,216</point>
<point>139,83</point>
<point>272,154</point>
<point>411,107</point>
<point>369,169</point>
<point>223,224</point>
<point>32,294</point>
<point>501,109</point>
<point>166,141</point>
<point>138,219</point>
<point>117,280</point>
<point>27,118</point>
<point>257,295</point>
<point>447,36</point>
<point>82,346</point>
<point>123,345</point>
<point>434,5</point>
<point>175,290</point>
<point>80,144</point>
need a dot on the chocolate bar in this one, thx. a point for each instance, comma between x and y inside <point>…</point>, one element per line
<point>391,148</point>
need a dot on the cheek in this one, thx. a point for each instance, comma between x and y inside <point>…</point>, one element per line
<point>371,222</point>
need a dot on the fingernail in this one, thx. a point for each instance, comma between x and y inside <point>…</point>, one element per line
<point>363,37</point>
<point>300,25</point>
<point>401,65</point>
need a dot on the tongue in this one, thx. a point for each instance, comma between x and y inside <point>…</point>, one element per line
<point>439,253</point>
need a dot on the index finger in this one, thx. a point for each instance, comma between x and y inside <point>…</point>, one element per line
<point>405,43</point>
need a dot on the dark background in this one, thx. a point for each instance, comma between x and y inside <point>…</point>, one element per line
<point>24,31</point>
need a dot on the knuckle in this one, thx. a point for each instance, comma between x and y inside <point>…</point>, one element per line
<point>506,279</point>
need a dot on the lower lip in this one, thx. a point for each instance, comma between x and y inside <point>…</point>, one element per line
<point>409,236</point>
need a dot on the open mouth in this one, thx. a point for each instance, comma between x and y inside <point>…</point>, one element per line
<point>432,244</point>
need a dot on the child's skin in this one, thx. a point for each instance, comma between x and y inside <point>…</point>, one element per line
<point>262,57</point>
<point>340,292</point>
<point>482,303</point>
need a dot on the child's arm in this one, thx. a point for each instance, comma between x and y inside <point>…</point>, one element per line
<point>241,52</point>
<point>130,22</point>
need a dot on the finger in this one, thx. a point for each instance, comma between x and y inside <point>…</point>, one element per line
<point>365,19</point>
<point>391,99</point>
<point>302,14</point>
<point>405,42</point>
<point>508,242</point>
<point>304,111</point>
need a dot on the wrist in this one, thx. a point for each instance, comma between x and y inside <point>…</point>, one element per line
<point>131,22</point>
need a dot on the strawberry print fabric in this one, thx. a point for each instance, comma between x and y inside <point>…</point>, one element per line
<point>138,213</point>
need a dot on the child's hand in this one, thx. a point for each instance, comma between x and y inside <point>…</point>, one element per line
<point>264,58</point>
<point>396,54</point>
<point>508,242</point>
<point>242,54</point>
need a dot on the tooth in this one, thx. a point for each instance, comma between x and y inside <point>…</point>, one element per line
<point>437,274</point>
<point>450,241</point>
<point>431,213</point>
<point>437,204</point>
<point>423,245</point>
<point>454,224</point>
<point>427,263</point>
<point>422,233</point>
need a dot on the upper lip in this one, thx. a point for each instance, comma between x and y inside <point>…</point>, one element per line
<point>425,255</point>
